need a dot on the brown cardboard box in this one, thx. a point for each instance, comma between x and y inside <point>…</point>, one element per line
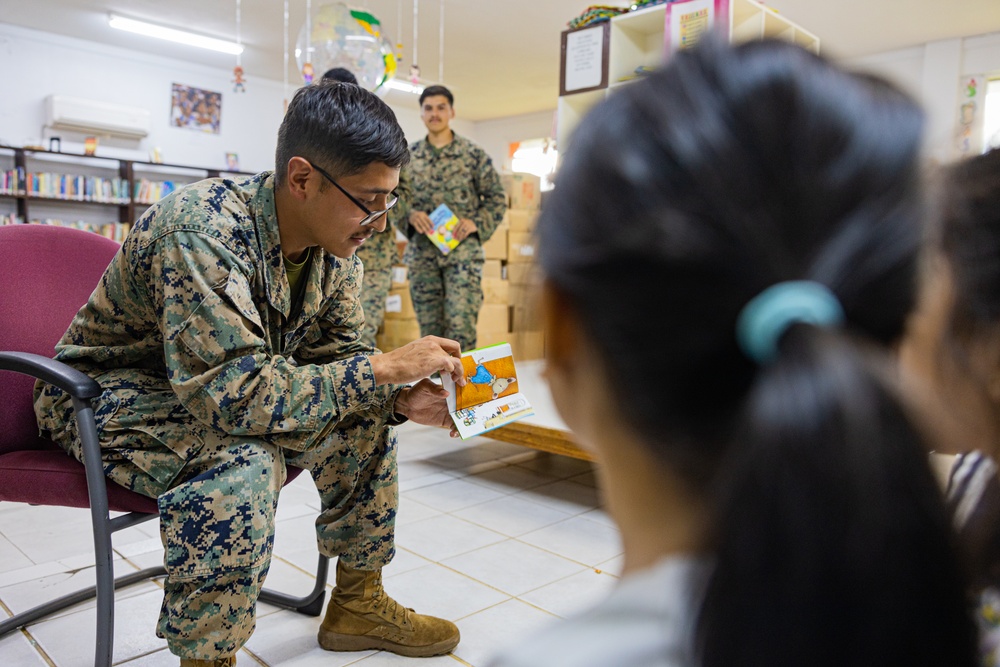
<point>486,337</point>
<point>520,247</point>
<point>496,247</point>
<point>525,318</point>
<point>496,290</point>
<point>523,295</point>
<point>493,317</point>
<point>527,345</point>
<point>522,273</point>
<point>399,305</point>
<point>400,332</point>
<point>400,277</point>
<point>492,269</point>
<point>521,220</point>
<point>524,190</point>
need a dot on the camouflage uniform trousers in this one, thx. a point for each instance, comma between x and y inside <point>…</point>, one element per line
<point>217,523</point>
<point>447,289</point>
<point>377,255</point>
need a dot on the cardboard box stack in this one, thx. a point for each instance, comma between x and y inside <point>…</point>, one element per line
<point>514,263</point>
<point>400,324</point>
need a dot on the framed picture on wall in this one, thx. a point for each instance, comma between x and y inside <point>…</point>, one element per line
<point>583,57</point>
<point>195,109</point>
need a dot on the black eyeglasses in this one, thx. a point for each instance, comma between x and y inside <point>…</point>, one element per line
<point>370,216</point>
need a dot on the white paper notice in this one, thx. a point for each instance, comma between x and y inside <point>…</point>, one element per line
<point>584,58</point>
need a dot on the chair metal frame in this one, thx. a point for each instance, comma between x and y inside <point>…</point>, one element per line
<point>82,389</point>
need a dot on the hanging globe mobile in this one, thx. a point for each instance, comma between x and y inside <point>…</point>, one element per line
<point>338,36</point>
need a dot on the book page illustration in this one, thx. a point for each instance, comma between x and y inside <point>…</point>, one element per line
<point>493,414</point>
<point>487,381</point>
<point>490,397</point>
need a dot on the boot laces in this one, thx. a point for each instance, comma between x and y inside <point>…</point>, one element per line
<point>385,605</point>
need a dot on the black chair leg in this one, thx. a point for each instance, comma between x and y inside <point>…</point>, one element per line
<point>311,604</point>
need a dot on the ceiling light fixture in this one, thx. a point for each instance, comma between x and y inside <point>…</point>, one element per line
<point>404,86</point>
<point>170,34</point>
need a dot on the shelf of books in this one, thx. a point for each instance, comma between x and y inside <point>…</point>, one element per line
<point>38,186</point>
<point>640,40</point>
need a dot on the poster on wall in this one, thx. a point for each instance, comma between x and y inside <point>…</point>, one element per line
<point>195,109</point>
<point>688,20</point>
<point>969,128</point>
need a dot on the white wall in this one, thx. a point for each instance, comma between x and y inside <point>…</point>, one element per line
<point>37,64</point>
<point>931,73</point>
<point>495,136</point>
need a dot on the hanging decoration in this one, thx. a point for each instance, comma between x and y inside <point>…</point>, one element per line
<point>285,58</point>
<point>414,67</point>
<point>238,80</point>
<point>441,41</point>
<point>339,36</point>
<point>307,68</point>
<point>399,31</point>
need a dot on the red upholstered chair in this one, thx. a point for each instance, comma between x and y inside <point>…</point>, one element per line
<point>46,274</point>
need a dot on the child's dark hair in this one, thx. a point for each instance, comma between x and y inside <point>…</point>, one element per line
<point>970,241</point>
<point>681,198</point>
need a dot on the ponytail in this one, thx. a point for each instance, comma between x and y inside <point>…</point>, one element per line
<point>832,546</point>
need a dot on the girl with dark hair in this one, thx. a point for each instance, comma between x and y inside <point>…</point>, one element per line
<point>730,250</point>
<point>953,344</point>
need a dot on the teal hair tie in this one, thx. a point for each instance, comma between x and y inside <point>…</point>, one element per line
<point>768,315</point>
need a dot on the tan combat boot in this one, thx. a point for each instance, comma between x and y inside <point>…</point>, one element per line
<point>218,662</point>
<point>361,616</point>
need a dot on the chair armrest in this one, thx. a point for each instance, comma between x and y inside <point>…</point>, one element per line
<point>67,378</point>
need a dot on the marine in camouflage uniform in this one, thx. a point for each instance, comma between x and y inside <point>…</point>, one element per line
<point>215,376</point>
<point>447,289</point>
<point>378,254</point>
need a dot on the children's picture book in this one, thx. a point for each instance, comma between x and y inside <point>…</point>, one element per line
<point>444,226</point>
<point>491,397</point>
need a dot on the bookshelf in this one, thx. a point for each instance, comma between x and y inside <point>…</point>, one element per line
<point>102,194</point>
<point>642,39</point>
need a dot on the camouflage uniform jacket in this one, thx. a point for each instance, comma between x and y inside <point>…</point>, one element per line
<point>460,175</point>
<point>193,327</point>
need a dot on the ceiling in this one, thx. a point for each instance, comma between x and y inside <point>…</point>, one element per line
<point>501,57</point>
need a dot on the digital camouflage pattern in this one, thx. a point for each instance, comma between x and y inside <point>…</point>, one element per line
<point>377,255</point>
<point>211,384</point>
<point>447,289</point>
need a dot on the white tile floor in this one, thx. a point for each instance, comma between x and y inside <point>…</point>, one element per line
<point>498,538</point>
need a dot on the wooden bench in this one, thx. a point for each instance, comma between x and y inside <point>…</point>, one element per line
<point>544,430</point>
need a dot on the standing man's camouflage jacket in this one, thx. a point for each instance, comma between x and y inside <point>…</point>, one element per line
<point>193,327</point>
<point>460,175</point>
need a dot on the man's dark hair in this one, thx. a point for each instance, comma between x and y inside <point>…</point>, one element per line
<point>340,127</point>
<point>431,91</point>
<point>341,74</point>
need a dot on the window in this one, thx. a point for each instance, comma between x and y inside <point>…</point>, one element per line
<point>536,156</point>
<point>991,116</point>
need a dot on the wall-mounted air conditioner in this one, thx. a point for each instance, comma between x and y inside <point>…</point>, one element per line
<point>92,116</point>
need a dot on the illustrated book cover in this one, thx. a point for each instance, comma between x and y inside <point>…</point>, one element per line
<point>491,397</point>
<point>444,226</point>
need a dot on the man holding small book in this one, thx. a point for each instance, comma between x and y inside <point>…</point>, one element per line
<point>446,169</point>
<point>226,336</point>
